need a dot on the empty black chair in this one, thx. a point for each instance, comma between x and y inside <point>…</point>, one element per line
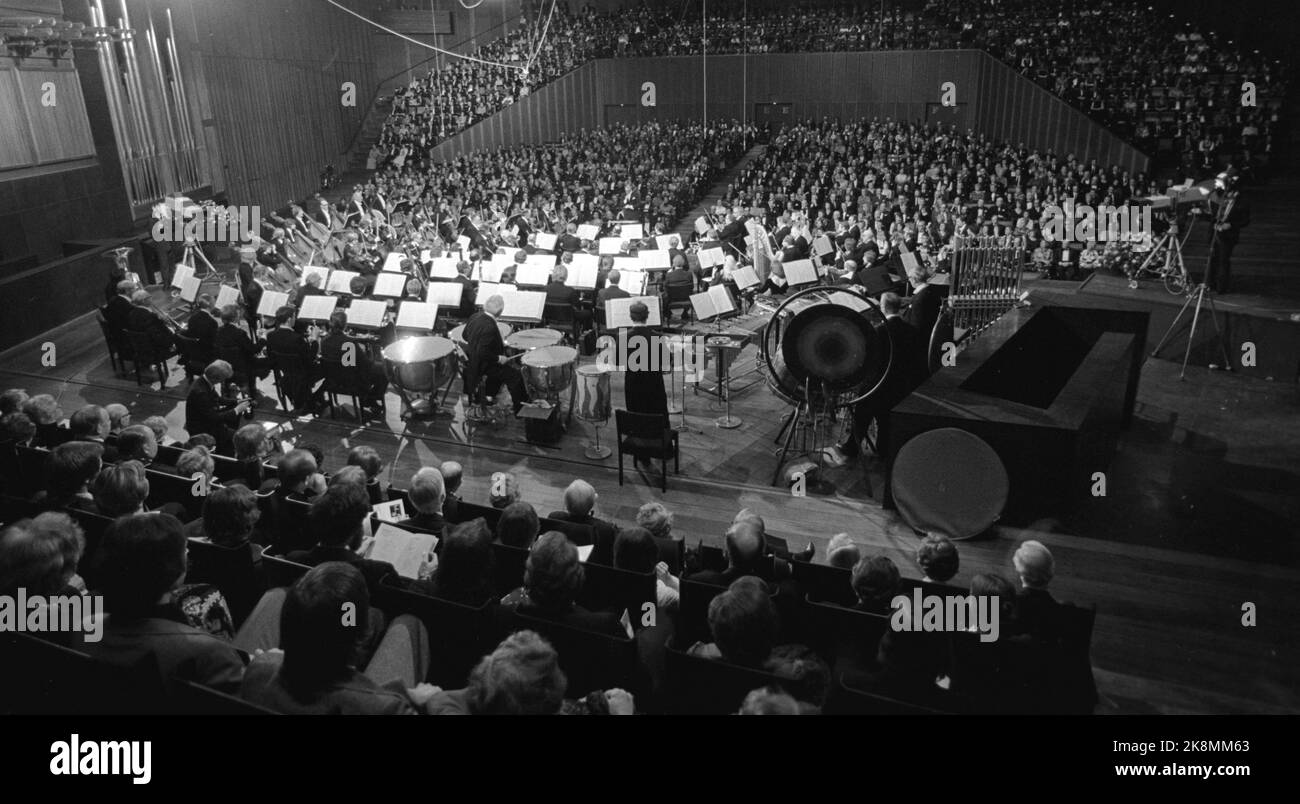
<point>168,488</point>
<point>193,354</point>
<point>679,298</point>
<point>42,678</point>
<point>824,583</point>
<point>559,315</point>
<point>459,635</point>
<point>647,435</point>
<point>293,379</point>
<point>118,351</point>
<point>278,571</point>
<point>144,352</point>
<point>341,380</point>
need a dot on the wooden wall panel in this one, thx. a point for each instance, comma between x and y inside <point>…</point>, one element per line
<point>61,131</point>
<point>16,147</point>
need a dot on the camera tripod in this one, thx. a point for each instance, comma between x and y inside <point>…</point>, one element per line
<point>1166,261</point>
<point>1200,295</point>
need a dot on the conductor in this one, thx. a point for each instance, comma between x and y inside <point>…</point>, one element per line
<point>644,383</point>
<point>485,354</point>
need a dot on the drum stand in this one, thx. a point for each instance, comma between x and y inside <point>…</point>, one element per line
<point>597,451</point>
<point>811,422</point>
<point>726,421</point>
<point>682,426</point>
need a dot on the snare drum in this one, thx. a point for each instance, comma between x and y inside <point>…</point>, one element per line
<point>526,340</point>
<point>593,393</point>
<point>549,370</point>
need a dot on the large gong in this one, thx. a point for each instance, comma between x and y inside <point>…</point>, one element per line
<point>830,346</point>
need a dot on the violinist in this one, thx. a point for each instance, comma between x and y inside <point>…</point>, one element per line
<point>202,326</point>
<point>145,318</point>
<point>234,346</point>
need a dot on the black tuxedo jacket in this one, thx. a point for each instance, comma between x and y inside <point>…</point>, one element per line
<point>202,327</point>
<point>206,411</point>
<point>116,312</point>
<point>560,293</point>
<point>142,319</point>
<point>483,344</point>
<point>287,341</point>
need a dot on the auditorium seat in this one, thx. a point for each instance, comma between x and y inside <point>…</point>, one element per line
<point>849,701</point>
<point>165,487</point>
<point>93,527</point>
<point>609,589</point>
<point>33,463</point>
<point>824,583</point>
<point>508,566</point>
<point>591,661</point>
<point>42,678</point>
<point>693,611</point>
<point>145,353</point>
<point>459,635</point>
<point>189,698</point>
<point>169,455</point>
<point>647,435</point>
<point>700,686</point>
<point>226,469</point>
<point>280,571</point>
<point>577,534</point>
<point>468,511</point>
<point>841,634</point>
<point>233,570</point>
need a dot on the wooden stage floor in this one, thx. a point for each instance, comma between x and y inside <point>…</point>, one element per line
<point>1169,593</point>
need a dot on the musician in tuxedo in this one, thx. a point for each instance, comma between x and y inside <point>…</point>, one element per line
<point>212,406</point>
<point>202,326</point>
<point>644,381</point>
<point>907,370</point>
<point>926,302</point>
<point>339,347</point>
<point>467,289</point>
<point>611,290</point>
<point>485,353</point>
<point>233,345</point>
<point>569,240</point>
<point>1231,214</point>
<point>284,339</point>
<point>144,318</point>
<point>119,307</point>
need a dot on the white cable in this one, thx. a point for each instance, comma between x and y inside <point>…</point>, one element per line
<point>541,40</point>
<point>470,8</point>
<point>423,44</point>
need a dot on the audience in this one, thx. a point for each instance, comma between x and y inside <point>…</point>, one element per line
<point>337,519</point>
<point>937,558</point>
<point>518,525</point>
<point>465,566</point>
<point>427,496</point>
<point>580,509</point>
<point>552,579</point>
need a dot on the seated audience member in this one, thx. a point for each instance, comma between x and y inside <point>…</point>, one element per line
<point>315,672</point>
<point>40,556</point>
<point>744,550</point>
<point>504,490</point>
<point>197,463</point>
<point>142,569</point>
<point>523,677</point>
<point>426,497</point>
<point>370,462</point>
<point>17,429</point>
<point>552,579</point>
<point>336,519</point>
<point>580,509</point>
<point>743,623</point>
<point>73,467</point>
<point>770,701</point>
<point>12,401</point>
<point>251,449</point>
<point>657,519</point>
<point>810,676</point>
<point>875,584</point>
<point>937,558</point>
<point>465,566</point>
<point>999,588</point>
<point>120,489</point>
<point>518,525</point>
<point>159,427</point>
<point>119,417</point>
<point>229,516</point>
<point>91,423</point>
<point>452,474</point>
<point>635,551</point>
<point>45,413</point>
<point>842,552</point>
<point>201,440</point>
<point>138,443</point>
<point>352,475</point>
<point>1037,612</point>
<point>296,479</point>
<point>770,547</point>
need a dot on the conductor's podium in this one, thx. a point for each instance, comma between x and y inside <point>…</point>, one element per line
<point>1047,388</point>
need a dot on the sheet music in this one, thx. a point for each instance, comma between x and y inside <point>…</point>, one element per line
<point>366,313</point>
<point>543,260</point>
<point>632,231</point>
<point>611,245</point>
<point>721,297</point>
<point>533,275</point>
<point>506,251</point>
<point>745,277</point>
<point>665,242</point>
<point>393,262</point>
<point>180,274</point>
<point>582,276</point>
<point>490,272</point>
<point>463,242</point>
<point>909,261</point>
<point>444,294</point>
<point>341,281</point>
<point>443,267</point>
<point>318,308</point>
<point>417,315</point>
<point>227,295</point>
<point>526,305</point>
<point>190,288</point>
<point>426,256</point>
<point>405,550</point>
<point>547,241</point>
<point>801,272</point>
<point>318,270</point>
<point>710,257</point>
<point>655,259</point>
<point>390,285</point>
<point>618,315</point>
<point>588,231</point>
<point>822,246</point>
<point>633,280</point>
<point>271,301</point>
<point>701,224</point>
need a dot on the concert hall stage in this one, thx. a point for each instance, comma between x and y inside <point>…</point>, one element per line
<point>1203,485</point>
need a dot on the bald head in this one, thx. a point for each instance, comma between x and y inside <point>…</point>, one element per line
<point>744,544</point>
<point>452,473</point>
<point>494,305</point>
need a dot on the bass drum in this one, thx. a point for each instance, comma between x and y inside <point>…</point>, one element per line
<point>593,393</point>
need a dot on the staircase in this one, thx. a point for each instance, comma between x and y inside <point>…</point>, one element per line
<point>371,128</point>
<point>716,192</point>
